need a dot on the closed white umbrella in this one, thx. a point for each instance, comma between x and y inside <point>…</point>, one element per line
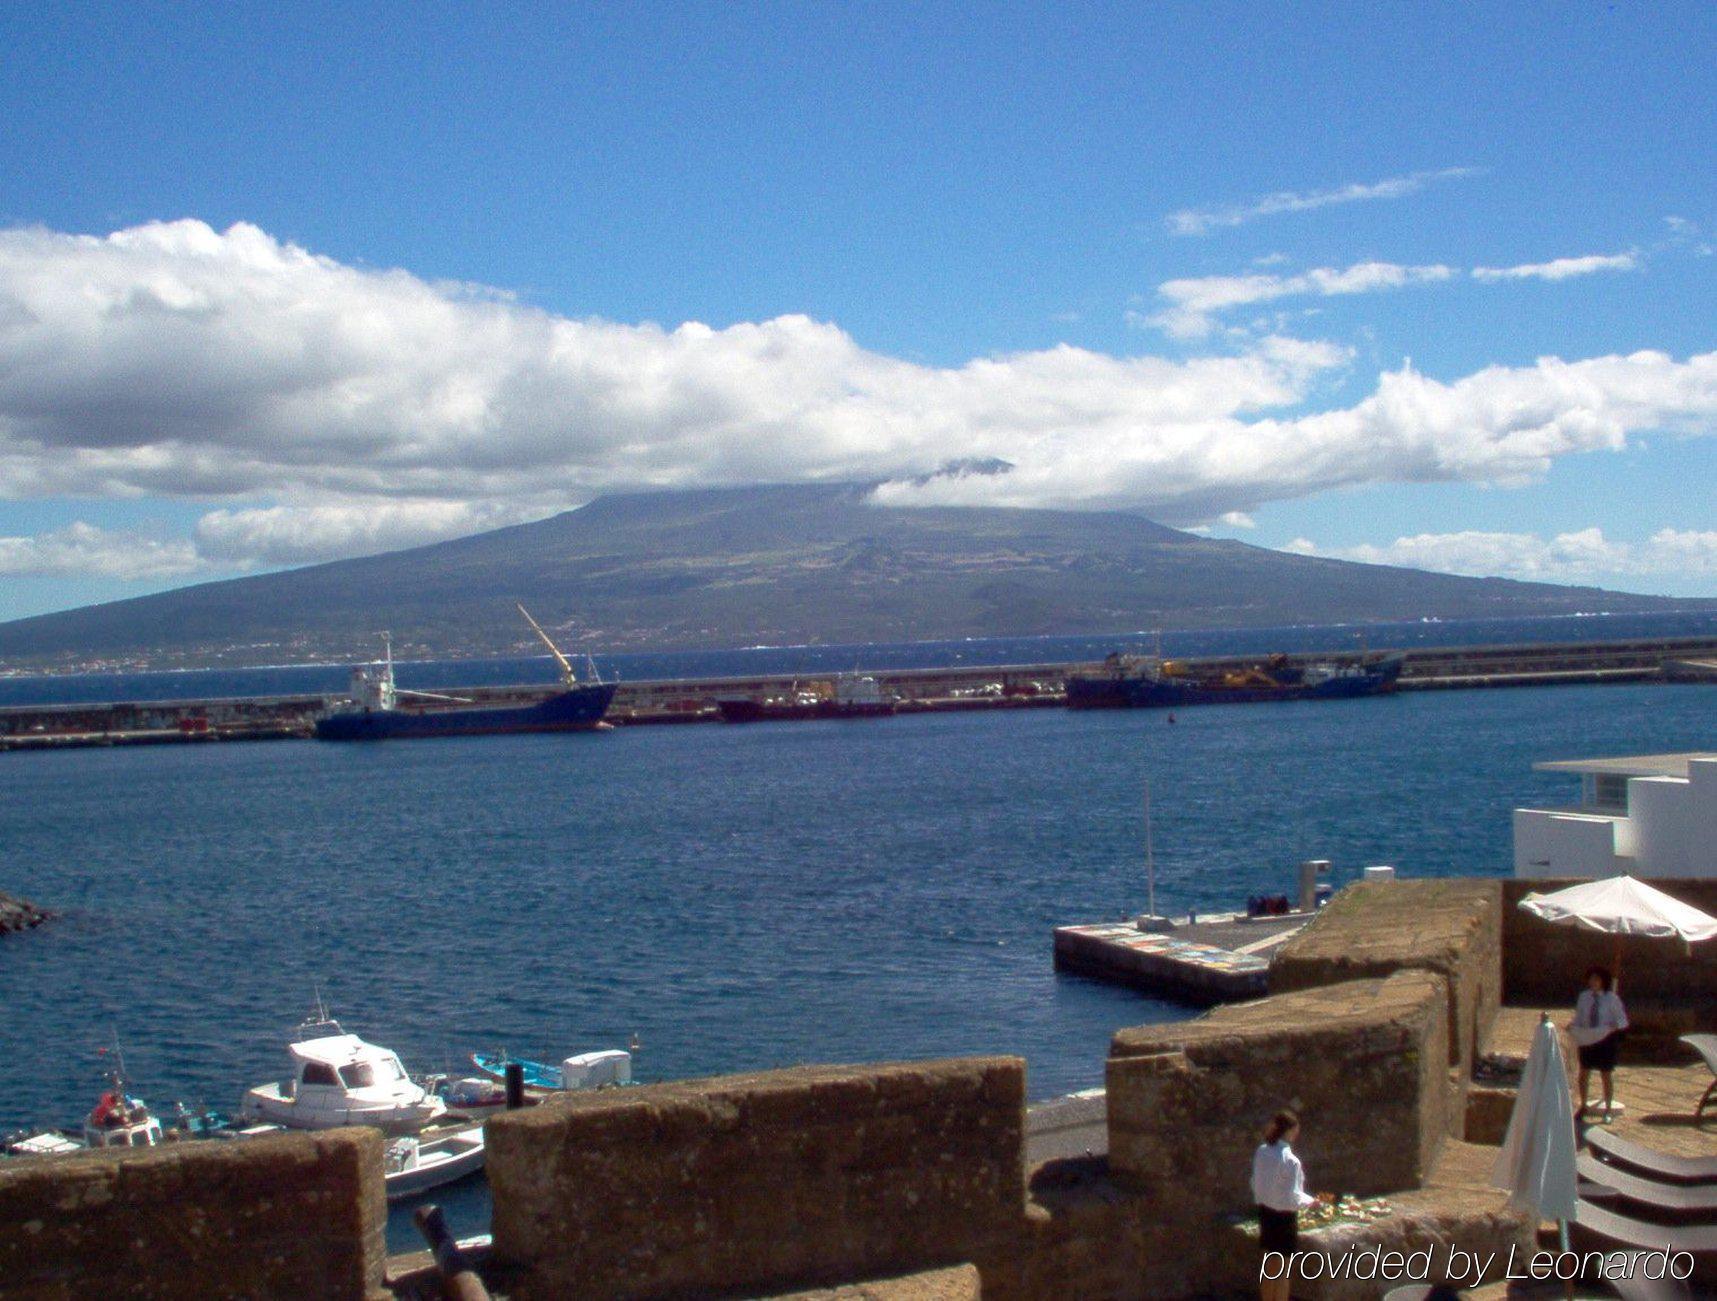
<point>1536,1163</point>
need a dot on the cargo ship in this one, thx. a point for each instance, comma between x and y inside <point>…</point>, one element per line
<point>378,710</point>
<point>1146,682</point>
<point>850,696</point>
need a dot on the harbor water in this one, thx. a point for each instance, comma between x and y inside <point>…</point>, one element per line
<point>738,898</point>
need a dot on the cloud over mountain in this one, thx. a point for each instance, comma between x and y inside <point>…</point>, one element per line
<point>1576,555</point>
<point>322,409</point>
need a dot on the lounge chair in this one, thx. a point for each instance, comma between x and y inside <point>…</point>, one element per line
<point>1660,1166</point>
<point>1706,1046</point>
<point>1621,1189</point>
<point>1646,1289</point>
<point>1596,1228</point>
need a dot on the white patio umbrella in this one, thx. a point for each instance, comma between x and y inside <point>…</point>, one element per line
<point>1536,1163</point>
<point>1620,905</point>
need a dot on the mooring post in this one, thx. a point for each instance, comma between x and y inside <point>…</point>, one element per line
<point>459,1282</point>
<point>515,1086</point>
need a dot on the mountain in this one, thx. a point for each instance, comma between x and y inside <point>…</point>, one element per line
<point>772,565</point>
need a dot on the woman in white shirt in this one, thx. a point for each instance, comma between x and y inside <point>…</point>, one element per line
<point>1279,1189</point>
<point>1599,1019</point>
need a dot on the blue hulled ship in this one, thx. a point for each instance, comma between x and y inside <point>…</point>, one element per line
<point>374,710</point>
<point>1140,682</point>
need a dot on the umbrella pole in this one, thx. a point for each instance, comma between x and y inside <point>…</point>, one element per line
<point>1562,1228</point>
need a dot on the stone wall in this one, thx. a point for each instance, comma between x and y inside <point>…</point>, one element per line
<point>1363,1062</point>
<point>291,1216</point>
<point>1670,988</point>
<point>756,1183</point>
<point>1375,928</point>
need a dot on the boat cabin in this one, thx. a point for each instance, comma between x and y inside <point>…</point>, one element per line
<point>345,1062</point>
<point>119,1121</point>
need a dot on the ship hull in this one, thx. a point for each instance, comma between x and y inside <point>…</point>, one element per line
<point>578,710</point>
<point>1109,692</point>
<point>755,711</point>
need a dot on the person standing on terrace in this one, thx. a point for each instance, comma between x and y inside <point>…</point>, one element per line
<point>1279,1189</point>
<point>1599,1020</point>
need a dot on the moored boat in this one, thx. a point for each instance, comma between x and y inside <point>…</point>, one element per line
<point>339,1079</point>
<point>849,695</point>
<point>1143,682</point>
<point>118,1120</point>
<point>377,708</point>
<point>414,1165</point>
<point>593,1070</point>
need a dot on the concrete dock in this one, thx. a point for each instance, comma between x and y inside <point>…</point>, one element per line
<point>1219,960</point>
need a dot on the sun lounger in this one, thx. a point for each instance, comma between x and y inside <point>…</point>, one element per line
<point>1621,1189</point>
<point>1646,1289</point>
<point>1706,1046</point>
<point>1654,1165</point>
<point>1597,1229</point>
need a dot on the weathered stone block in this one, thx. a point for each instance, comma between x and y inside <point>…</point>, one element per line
<point>1375,928</point>
<point>1363,1062</point>
<point>957,1284</point>
<point>288,1216</point>
<point>749,1183</point>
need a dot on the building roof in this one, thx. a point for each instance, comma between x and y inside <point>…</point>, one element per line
<point>1635,765</point>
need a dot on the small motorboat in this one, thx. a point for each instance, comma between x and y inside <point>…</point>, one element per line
<point>416,1165</point>
<point>596,1070</point>
<point>339,1079</point>
<point>471,1095</point>
<point>117,1120</point>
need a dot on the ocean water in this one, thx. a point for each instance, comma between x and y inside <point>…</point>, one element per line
<point>739,898</point>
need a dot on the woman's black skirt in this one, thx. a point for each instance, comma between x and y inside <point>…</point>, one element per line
<point>1278,1230</point>
<point>1601,1056</point>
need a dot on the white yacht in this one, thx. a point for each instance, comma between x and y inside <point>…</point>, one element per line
<point>339,1079</point>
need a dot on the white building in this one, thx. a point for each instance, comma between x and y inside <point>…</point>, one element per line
<point>1648,815</point>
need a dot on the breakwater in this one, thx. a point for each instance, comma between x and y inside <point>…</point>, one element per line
<point>941,689</point>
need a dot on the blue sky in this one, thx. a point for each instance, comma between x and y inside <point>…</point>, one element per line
<point>287,283</point>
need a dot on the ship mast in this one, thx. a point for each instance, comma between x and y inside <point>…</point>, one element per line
<point>567,676</point>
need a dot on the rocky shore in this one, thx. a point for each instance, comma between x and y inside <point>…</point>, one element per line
<point>17,915</point>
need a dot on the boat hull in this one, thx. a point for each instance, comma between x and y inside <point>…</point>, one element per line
<point>577,710</point>
<point>1102,691</point>
<point>438,1162</point>
<point>537,1075</point>
<point>307,1110</point>
<point>756,711</point>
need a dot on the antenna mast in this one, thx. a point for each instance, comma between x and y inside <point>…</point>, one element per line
<point>1150,859</point>
<point>566,674</point>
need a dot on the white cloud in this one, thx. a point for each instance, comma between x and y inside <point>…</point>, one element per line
<point>1583,555</point>
<point>324,410</point>
<point>1237,519</point>
<point>1561,268</point>
<point>296,535</point>
<point>1200,221</point>
<point>83,551</point>
<point>1194,304</point>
